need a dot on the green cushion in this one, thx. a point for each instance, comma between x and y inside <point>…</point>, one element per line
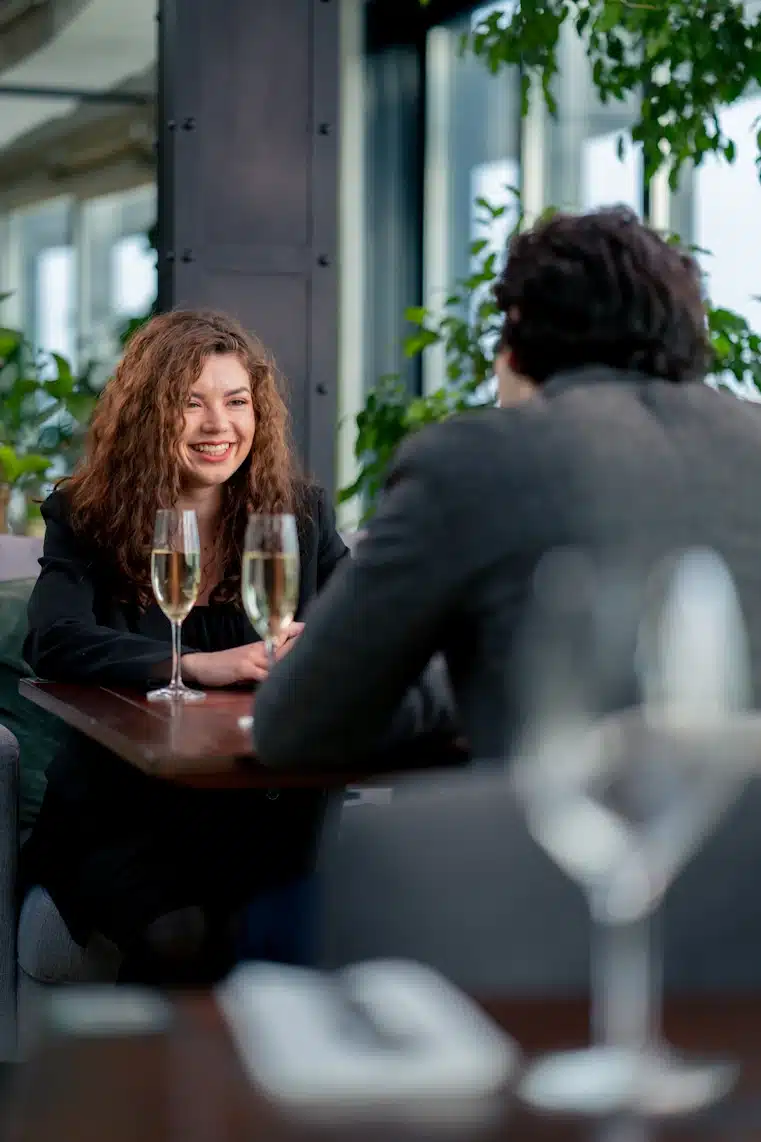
<point>39,734</point>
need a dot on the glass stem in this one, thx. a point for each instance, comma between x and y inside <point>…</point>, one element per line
<point>176,683</point>
<point>626,988</point>
<point>269,646</point>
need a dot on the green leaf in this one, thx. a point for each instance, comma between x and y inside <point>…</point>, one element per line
<point>8,465</point>
<point>417,314</point>
<point>421,341</point>
<point>33,465</point>
<point>13,466</point>
<point>10,342</point>
<point>80,406</point>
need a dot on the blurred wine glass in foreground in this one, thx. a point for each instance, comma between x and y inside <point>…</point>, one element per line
<point>621,803</point>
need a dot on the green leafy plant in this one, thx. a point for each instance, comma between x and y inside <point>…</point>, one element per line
<point>686,59</point>
<point>44,407</point>
<point>16,468</point>
<point>465,327</point>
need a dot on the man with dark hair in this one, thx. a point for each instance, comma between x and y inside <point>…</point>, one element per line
<point>607,439</point>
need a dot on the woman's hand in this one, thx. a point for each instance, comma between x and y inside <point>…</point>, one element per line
<point>288,638</point>
<point>239,665</point>
<point>231,667</point>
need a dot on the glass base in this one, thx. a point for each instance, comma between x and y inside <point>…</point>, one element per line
<point>610,1080</point>
<point>175,694</point>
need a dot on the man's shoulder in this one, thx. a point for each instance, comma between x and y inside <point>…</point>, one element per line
<point>460,440</point>
<point>475,449</point>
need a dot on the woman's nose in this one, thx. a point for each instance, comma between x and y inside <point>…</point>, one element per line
<point>215,418</point>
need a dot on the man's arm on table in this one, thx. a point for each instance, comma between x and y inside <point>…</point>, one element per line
<point>349,681</point>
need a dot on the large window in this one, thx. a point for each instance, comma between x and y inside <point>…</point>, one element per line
<point>77,194</point>
<point>77,272</point>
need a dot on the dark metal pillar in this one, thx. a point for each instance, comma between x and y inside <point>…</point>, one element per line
<point>248,161</point>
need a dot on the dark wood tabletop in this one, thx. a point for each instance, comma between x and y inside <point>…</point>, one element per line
<point>203,743</point>
<point>187,1085</point>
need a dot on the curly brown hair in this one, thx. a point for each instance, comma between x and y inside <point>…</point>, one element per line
<point>130,464</point>
<point>602,289</point>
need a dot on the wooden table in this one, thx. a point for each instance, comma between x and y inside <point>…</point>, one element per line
<point>188,1085</point>
<point>202,743</point>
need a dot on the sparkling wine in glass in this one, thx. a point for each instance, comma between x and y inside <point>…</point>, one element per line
<point>176,580</point>
<point>622,802</point>
<point>270,577</point>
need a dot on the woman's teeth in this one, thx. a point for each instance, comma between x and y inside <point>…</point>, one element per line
<point>212,449</point>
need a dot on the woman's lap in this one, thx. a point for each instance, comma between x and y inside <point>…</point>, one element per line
<point>128,860</point>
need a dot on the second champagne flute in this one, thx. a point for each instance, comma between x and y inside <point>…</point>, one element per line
<point>270,576</point>
<point>176,579</point>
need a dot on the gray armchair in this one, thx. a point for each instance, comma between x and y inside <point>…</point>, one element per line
<point>36,949</point>
<point>447,873</point>
<point>9,755</point>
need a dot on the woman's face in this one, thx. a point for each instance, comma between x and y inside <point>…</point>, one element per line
<point>219,423</point>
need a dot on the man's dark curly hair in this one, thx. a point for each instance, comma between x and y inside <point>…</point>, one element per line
<point>602,289</point>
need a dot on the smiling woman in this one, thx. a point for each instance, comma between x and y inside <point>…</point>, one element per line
<point>193,419</point>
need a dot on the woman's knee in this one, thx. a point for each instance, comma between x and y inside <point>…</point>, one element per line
<point>170,951</point>
<point>176,936</point>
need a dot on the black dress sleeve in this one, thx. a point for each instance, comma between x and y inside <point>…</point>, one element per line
<point>64,642</point>
<point>331,548</point>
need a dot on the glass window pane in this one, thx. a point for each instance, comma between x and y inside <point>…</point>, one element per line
<point>473,127</point>
<point>472,150</point>
<point>119,280</point>
<point>488,180</point>
<point>56,285</point>
<point>583,169</point>
<point>391,208</point>
<point>46,285</point>
<point>133,276</point>
<point>732,268</point>
<point>733,245</point>
<point>607,178</point>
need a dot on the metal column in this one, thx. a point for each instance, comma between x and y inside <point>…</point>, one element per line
<point>248,161</point>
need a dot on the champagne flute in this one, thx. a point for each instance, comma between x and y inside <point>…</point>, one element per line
<point>176,579</point>
<point>270,577</point>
